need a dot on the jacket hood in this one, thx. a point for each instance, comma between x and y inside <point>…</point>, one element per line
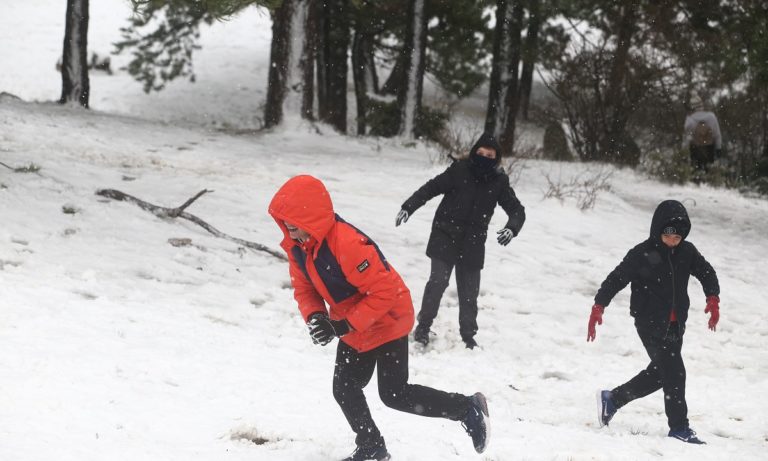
<point>304,202</point>
<point>487,140</point>
<point>670,212</point>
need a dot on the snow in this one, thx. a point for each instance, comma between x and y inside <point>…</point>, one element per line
<point>118,346</point>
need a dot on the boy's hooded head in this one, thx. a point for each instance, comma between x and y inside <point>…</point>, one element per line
<point>670,217</point>
<point>484,163</point>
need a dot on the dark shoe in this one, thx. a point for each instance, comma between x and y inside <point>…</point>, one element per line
<point>686,435</point>
<point>421,335</point>
<point>377,452</point>
<point>477,423</point>
<point>470,343</point>
<point>605,407</point>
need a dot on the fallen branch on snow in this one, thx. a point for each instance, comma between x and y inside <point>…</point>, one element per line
<point>178,212</point>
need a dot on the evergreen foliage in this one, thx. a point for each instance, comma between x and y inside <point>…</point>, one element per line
<point>165,53</point>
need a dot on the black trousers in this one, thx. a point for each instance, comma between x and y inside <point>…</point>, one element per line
<point>468,287</point>
<point>354,370</point>
<point>666,371</point>
<point>702,156</point>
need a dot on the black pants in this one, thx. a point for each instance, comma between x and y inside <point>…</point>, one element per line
<point>666,371</point>
<point>353,372</point>
<point>702,156</point>
<point>468,287</point>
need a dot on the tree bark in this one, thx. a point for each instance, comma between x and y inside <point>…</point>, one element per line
<point>290,88</point>
<point>530,56</point>
<point>507,137</point>
<point>504,72</point>
<point>409,96</point>
<point>333,26</point>
<point>75,86</point>
<point>616,112</point>
<point>502,96</point>
<point>363,74</point>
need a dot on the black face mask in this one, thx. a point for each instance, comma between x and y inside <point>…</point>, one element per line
<point>483,163</point>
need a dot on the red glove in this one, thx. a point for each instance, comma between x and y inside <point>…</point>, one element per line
<point>713,308</point>
<point>596,317</point>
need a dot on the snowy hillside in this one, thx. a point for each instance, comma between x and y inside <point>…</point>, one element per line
<point>117,345</point>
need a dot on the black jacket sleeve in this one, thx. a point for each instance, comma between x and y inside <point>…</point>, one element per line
<point>440,184</point>
<point>619,278</point>
<point>702,270</point>
<point>512,206</point>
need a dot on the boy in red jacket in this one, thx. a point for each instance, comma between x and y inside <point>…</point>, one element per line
<point>658,270</point>
<point>370,309</point>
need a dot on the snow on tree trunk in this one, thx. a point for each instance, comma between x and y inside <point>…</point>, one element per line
<point>415,46</point>
<point>75,87</point>
<point>500,70</point>
<point>502,97</point>
<point>290,88</point>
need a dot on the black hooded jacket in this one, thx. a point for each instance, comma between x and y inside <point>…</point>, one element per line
<point>659,274</point>
<point>470,195</point>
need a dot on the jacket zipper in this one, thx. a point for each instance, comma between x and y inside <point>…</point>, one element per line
<point>674,301</point>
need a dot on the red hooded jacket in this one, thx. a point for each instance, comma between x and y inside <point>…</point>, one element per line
<point>341,266</point>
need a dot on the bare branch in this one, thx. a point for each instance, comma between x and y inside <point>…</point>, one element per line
<point>163,212</point>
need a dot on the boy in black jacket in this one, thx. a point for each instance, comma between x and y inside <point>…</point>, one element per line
<point>471,189</point>
<point>659,269</point>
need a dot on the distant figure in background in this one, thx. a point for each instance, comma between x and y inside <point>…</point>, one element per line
<point>471,189</point>
<point>658,270</point>
<point>702,135</point>
<point>370,311</point>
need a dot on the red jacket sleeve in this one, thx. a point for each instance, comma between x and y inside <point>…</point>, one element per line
<point>381,286</point>
<point>304,292</point>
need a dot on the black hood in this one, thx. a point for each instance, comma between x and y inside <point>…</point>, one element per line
<point>486,140</point>
<point>670,212</point>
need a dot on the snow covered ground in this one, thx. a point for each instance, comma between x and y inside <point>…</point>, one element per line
<point>116,345</point>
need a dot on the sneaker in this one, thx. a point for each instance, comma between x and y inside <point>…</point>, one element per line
<point>470,343</point>
<point>686,435</point>
<point>377,452</point>
<point>421,335</point>
<point>477,423</point>
<point>605,407</point>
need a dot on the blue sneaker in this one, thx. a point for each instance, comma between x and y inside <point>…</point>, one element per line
<point>605,407</point>
<point>687,435</point>
<point>477,423</point>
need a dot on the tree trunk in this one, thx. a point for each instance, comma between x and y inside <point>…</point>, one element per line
<point>616,111</point>
<point>75,86</point>
<point>502,96</point>
<point>363,74</point>
<point>503,67</point>
<point>530,56</point>
<point>290,88</point>
<point>409,96</point>
<point>507,138</point>
<point>332,63</point>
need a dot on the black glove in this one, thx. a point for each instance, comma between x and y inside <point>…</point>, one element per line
<point>505,236</point>
<point>322,329</point>
<point>402,217</point>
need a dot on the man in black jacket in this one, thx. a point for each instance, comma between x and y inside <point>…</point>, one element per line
<point>471,189</point>
<point>659,269</point>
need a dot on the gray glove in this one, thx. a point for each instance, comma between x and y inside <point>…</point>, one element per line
<point>505,236</point>
<point>402,216</point>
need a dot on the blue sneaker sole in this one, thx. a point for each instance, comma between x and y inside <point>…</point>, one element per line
<point>484,408</point>
<point>600,408</point>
